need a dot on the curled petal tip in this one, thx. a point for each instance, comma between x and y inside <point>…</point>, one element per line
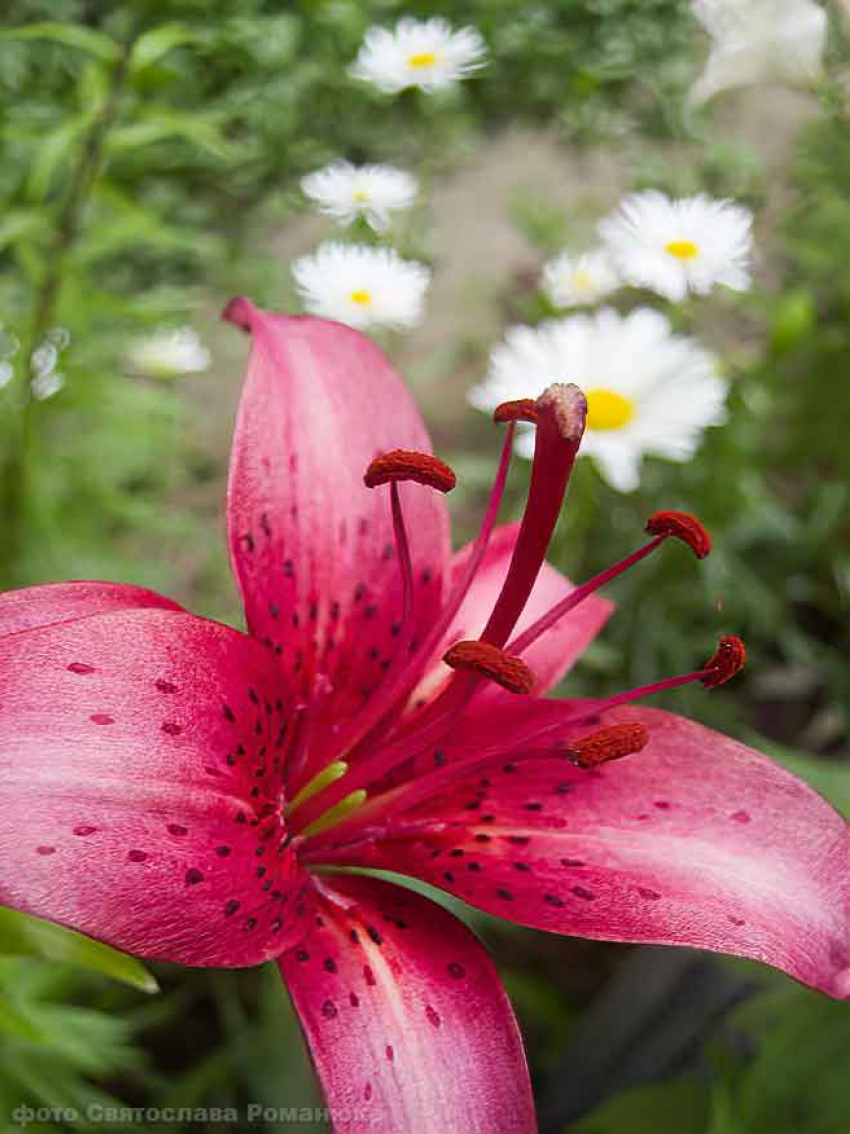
<point>568,407</point>
<point>241,312</point>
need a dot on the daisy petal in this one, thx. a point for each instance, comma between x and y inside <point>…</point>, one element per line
<point>407,1022</point>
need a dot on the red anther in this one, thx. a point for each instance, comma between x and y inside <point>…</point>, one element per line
<point>727,660</point>
<point>523,409</point>
<point>403,464</point>
<point>607,744</point>
<point>510,672</point>
<point>683,526</point>
<point>568,406</point>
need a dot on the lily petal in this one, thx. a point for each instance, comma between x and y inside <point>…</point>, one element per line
<point>313,548</point>
<point>407,1022</point>
<point>697,840</point>
<point>554,654</point>
<point>139,793</point>
<point>30,607</point>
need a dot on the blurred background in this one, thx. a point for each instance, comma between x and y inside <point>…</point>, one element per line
<point>151,159</point>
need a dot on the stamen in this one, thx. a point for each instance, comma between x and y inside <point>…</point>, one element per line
<point>661,526</point>
<point>403,464</point>
<point>523,409</point>
<point>727,660</point>
<point>683,526</point>
<point>483,658</point>
<point>392,696</point>
<point>607,744</point>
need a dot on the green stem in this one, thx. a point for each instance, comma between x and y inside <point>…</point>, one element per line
<point>15,487</point>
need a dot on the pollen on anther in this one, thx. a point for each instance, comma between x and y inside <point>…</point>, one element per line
<point>683,526</point>
<point>607,744</point>
<point>405,464</point>
<point>488,660</point>
<point>523,409</point>
<point>727,660</point>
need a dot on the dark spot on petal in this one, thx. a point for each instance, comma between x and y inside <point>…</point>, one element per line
<point>390,1052</point>
<point>456,971</point>
<point>741,816</point>
<point>585,895</point>
<point>369,976</point>
<point>302,955</point>
<point>193,876</point>
<point>650,895</point>
<point>432,1016</point>
<point>662,805</point>
<point>45,850</point>
<point>228,714</point>
<point>171,728</point>
<point>354,1000</point>
<point>553,900</point>
<point>572,862</point>
<point>330,965</point>
<point>166,686</point>
<point>102,718</point>
<point>329,1010</point>
<point>83,831</point>
<point>231,907</point>
<point>505,895</point>
<point>249,924</point>
<point>374,934</point>
<point>177,829</point>
<point>80,668</point>
<point>136,856</point>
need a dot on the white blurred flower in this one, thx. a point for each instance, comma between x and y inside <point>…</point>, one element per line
<point>427,54</point>
<point>345,191</point>
<point>6,373</point>
<point>47,383</point>
<point>362,286</point>
<point>580,281</point>
<point>648,391</point>
<point>167,353</point>
<point>756,41</point>
<point>674,247</point>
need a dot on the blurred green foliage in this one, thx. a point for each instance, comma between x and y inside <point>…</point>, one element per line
<point>148,148</point>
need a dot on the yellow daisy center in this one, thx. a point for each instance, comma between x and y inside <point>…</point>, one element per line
<point>422,59</point>
<point>583,281</point>
<point>362,297</point>
<point>606,409</point>
<point>360,195</point>
<point>682,249</point>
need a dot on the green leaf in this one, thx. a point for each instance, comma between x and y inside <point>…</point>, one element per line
<point>72,35</point>
<point>160,125</point>
<point>21,222</point>
<point>24,936</point>
<point>55,149</point>
<point>679,1104</point>
<point>13,1022</point>
<point>151,46</point>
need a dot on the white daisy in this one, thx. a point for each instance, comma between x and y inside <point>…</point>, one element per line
<point>674,247</point>
<point>346,191</point>
<point>419,53</point>
<point>756,41</point>
<point>167,353</point>
<point>580,281</point>
<point>648,391</point>
<point>362,286</point>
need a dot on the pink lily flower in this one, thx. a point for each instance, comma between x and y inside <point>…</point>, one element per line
<point>187,792</point>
